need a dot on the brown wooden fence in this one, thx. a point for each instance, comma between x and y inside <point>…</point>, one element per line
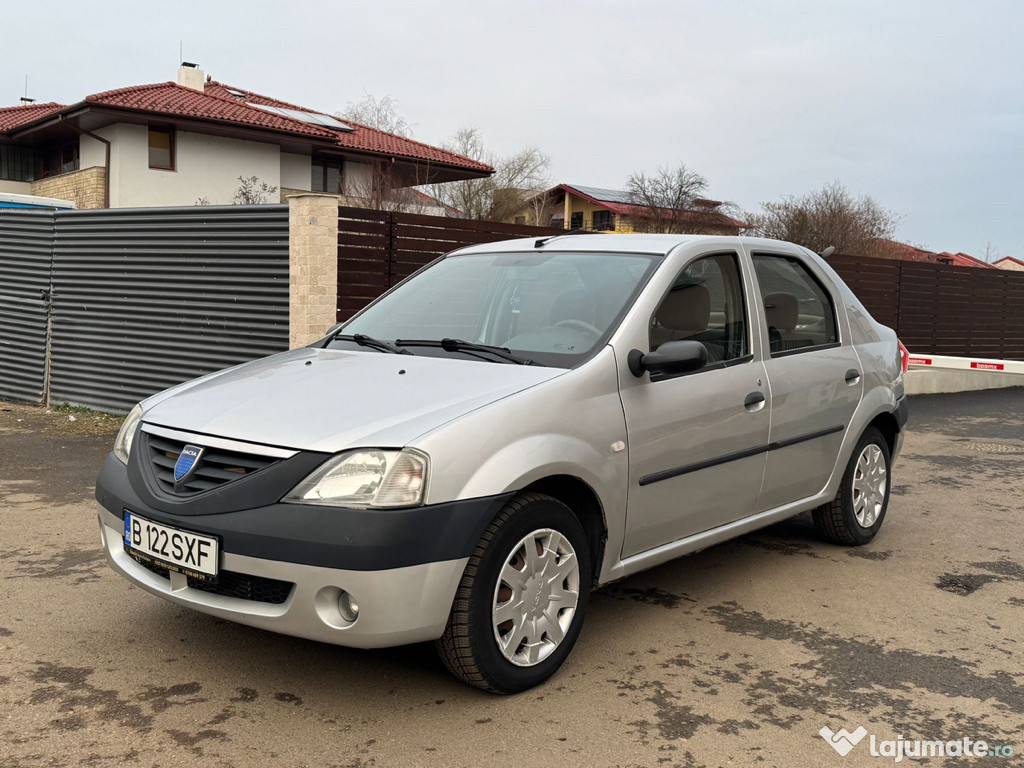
<point>935,308</point>
<point>377,249</point>
<point>940,309</point>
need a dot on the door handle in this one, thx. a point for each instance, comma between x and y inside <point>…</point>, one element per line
<point>852,376</point>
<point>754,402</point>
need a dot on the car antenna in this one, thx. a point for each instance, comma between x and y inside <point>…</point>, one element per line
<point>828,252</point>
<point>545,240</point>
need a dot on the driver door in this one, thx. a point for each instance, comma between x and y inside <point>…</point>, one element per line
<point>697,441</point>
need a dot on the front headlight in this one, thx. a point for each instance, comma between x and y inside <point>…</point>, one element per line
<point>368,477</point>
<point>123,443</point>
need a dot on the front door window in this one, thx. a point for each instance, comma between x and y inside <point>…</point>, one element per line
<point>706,304</point>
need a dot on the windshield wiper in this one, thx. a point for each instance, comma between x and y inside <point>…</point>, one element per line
<point>366,341</point>
<point>470,347</point>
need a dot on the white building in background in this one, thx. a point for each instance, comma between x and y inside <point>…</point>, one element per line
<point>189,141</point>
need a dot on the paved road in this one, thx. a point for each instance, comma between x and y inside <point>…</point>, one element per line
<point>734,656</point>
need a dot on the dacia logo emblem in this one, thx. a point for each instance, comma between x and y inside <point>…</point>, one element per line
<point>187,462</point>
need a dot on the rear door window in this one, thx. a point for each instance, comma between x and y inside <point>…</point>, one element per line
<point>800,313</point>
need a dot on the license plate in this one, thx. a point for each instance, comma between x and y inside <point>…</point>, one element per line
<point>180,551</point>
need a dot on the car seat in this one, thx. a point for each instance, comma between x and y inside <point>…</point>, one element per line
<point>782,310</point>
<point>683,316</point>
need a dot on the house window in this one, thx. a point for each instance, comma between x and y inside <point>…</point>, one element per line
<point>53,161</point>
<point>327,176</point>
<point>603,221</point>
<point>576,222</point>
<point>161,149</point>
<point>16,163</point>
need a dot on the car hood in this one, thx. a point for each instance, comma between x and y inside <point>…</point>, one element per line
<point>329,400</point>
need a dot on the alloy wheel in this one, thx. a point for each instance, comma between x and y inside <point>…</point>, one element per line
<point>869,483</point>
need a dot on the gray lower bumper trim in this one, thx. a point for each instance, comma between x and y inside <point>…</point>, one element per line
<point>396,606</point>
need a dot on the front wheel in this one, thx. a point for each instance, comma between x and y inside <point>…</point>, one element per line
<point>522,598</point>
<point>855,515</point>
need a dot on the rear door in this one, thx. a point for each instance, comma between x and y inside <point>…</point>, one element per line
<point>696,441</point>
<point>814,374</point>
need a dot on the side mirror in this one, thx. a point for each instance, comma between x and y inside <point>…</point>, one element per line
<point>670,357</point>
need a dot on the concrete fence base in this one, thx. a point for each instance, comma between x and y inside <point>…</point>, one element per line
<point>922,381</point>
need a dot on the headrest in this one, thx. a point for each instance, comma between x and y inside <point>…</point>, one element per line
<point>686,309</point>
<point>782,311</point>
<point>574,304</point>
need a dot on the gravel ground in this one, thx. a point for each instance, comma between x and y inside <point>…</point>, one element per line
<point>734,656</point>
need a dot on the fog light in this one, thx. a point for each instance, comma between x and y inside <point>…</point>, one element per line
<point>348,607</point>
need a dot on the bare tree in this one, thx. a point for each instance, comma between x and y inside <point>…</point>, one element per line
<point>991,253</point>
<point>666,201</point>
<point>828,216</point>
<point>384,186</point>
<point>253,191</point>
<point>380,113</point>
<point>501,196</point>
<point>540,209</point>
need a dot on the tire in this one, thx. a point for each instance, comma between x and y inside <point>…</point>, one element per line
<point>472,644</point>
<point>855,515</point>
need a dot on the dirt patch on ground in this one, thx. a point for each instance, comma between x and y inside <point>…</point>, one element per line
<point>57,421</point>
<point>46,458</point>
<point>736,655</point>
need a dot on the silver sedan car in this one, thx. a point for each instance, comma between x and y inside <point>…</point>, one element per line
<point>515,425</point>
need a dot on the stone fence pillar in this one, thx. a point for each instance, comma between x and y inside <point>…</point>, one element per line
<point>313,266</point>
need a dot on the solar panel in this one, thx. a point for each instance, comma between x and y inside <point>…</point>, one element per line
<point>317,119</point>
<point>307,117</point>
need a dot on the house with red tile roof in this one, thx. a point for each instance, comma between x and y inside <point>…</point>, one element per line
<point>1009,262</point>
<point>905,252</point>
<point>575,206</point>
<point>182,142</point>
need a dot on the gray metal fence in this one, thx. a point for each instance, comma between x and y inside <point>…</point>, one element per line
<point>25,258</point>
<point>143,299</point>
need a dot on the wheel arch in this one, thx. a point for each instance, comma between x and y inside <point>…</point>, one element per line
<point>887,424</point>
<point>584,502</point>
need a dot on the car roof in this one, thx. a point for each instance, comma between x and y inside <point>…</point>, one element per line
<point>656,244</point>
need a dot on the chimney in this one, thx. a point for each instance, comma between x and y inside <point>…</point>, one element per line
<point>191,76</point>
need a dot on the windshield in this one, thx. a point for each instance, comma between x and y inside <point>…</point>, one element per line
<point>553,308</point>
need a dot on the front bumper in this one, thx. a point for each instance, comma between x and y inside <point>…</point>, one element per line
<point>396,605</point>
<point>284,565</point>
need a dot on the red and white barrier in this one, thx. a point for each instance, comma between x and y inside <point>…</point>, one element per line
<point>965,363</point>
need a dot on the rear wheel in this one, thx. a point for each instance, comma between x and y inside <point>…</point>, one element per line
<point>857,512</point>
<point>522,598</point>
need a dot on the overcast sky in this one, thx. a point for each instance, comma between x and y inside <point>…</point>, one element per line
<point>918,104</point>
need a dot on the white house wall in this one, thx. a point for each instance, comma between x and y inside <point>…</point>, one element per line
<point>296,171</point>
<point>206,167</point>
<point>92,152</point>
<point>16,187</point>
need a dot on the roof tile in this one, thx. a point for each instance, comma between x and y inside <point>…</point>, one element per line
<point>362,137</point>
<point>217,103</point>
<point>178,101</point>
<point>15,117</point>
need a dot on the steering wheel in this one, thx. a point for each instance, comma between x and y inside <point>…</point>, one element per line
<point>579,325</point>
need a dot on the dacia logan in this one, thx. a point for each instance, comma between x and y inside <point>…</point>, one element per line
<point>515,425</point>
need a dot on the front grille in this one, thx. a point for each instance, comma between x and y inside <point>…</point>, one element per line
<point>246,587</point>
<point>215,467</point>
<point>231,584</point>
